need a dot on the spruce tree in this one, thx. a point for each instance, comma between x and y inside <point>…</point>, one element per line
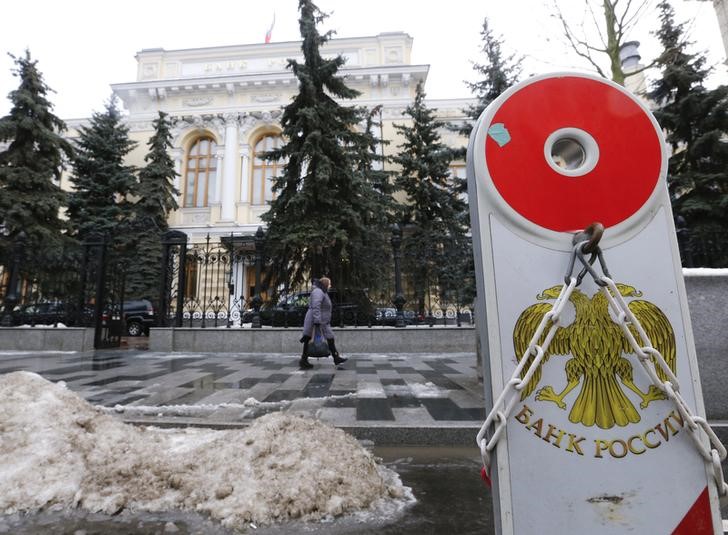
<point>433,210</point>
<point>157,198</point>
<point>317,224</point>
<point>31,165</point>
<point>696,121</point>
<point>379,215</point>
<point>497,74</point>
<point>102,181</point>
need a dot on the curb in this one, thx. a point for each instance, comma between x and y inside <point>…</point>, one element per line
<point>381,435</point>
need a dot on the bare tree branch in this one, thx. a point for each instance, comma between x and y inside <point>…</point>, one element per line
<point>610,28</point>
<point>595,21</point>
<point>627,23</point>
<point>574,41</point>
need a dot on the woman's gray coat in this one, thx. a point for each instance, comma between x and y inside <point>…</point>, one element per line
<point>319,311</point>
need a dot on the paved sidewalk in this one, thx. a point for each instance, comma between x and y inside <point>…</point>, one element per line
<point>390,399</point>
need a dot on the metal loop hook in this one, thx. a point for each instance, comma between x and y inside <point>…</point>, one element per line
<point>597,255</point>
<point>592,234</point>
<point>585,270</point>
<point>586,242</point>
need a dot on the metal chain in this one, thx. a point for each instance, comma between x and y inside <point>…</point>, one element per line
<point>698,428</point>
<point>695,424</point>
<point>512,388</point>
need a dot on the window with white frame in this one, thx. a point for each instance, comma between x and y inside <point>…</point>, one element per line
<point>200,173</point>
<point>265,170</point>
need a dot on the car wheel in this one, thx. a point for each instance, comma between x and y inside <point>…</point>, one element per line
<point>134,328</point>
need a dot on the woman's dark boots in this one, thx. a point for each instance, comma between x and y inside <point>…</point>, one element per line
<point>304,364</point>
<point>338,359</point>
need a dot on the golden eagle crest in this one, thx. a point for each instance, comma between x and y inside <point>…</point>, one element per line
<point>596,344</point>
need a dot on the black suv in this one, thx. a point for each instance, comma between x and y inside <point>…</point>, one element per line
<point>138,317</point>
<point>350,307</point>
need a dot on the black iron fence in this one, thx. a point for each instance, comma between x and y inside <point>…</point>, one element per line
<point>703,248</point>
<point>79,285</point>
<point>218,285</point>
<point>203,285</point>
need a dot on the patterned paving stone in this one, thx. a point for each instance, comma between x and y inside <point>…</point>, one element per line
<point>400,389</point>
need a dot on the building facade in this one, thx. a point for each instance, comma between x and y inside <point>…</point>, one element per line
<point>226,103</point>
<point>721,12</point>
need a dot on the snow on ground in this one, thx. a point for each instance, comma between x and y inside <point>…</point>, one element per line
<point>249,408</point>
<point>427,390</point>
<point>58,452</point>
<point>58,325</point>
<point>705,272</point>
<point>19,352</point>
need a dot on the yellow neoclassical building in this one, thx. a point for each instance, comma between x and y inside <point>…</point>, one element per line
<point>225,104</point>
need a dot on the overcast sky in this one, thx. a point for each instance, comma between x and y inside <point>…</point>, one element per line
<point>84,46</point>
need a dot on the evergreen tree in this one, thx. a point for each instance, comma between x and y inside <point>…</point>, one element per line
<point>696,121</point>
<point>156,194</point>
<point>497,74</point>
<point>318,221</point>
<point>102,181</point>
<point>379,215</point>
<point>31,165</point>
<point>433,212</point>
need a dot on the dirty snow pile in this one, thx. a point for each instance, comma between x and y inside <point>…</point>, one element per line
<point>59,452</point>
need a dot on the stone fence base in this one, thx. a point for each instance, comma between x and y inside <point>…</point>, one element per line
<point>46,339</point>
<point>348,340</point>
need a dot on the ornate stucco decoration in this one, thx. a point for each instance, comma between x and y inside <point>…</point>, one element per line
<point>197,101</point>
<point>140,126</point>
<point>200,123</point>
<point>266,97</point>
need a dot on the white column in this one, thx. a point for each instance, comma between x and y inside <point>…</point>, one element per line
<point>229,163</point>
<point>244,284</point>
<point>177,155</point>
<point>245,175</point>
<point>236,301</point>
<point>218,178</point>
<point>239,283</point>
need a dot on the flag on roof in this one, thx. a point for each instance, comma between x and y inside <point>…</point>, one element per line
<point>270,30</point>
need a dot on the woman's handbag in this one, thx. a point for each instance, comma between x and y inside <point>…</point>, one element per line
<point>318,347</point>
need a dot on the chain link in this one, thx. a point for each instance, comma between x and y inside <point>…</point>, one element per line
<point>698,429</point>
<point>513,387</point>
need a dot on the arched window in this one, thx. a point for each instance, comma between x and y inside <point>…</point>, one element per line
<point>265,170</point>
<point>201,171</point>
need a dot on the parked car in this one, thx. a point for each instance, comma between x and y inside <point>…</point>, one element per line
<point>49,313</point>
<point>350,307</point>
<point>387,316</point>
<point>139,316</point>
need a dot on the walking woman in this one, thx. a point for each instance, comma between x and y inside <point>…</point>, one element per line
<point>318,316</point>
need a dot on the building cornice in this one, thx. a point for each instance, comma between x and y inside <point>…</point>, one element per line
<point>269,48</point>
<point>379,75</point>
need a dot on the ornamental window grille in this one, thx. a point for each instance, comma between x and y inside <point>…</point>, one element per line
<point>200,173</point>
<point>265,170</point>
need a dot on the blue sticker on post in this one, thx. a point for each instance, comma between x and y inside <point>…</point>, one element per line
<point>499,133</point>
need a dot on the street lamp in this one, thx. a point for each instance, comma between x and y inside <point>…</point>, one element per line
<point>399,299</point>
<point>257,301</point>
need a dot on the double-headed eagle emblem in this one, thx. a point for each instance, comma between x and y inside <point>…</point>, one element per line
<point>596,345</point>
